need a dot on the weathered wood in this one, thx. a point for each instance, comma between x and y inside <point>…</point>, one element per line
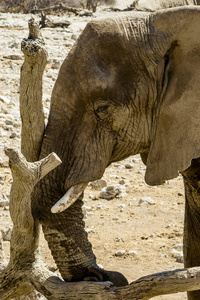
<point>3,261</point>
<point>15,279</point>
<point>46,22</point>
<point>31,108</point>
<point>59,7</point>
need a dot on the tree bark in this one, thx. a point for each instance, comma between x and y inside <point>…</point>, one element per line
<point>144,288</point>
<point>16,279</point>
<point>46,22</point>
<point>31,107</point>
<point>59,7</point>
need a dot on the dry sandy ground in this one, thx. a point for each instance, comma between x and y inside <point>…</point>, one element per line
<point>145,234</point>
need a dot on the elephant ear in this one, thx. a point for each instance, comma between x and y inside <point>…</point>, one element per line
<point>176,138</point>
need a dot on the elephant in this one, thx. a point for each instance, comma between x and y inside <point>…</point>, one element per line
<point>129,85</point>
<point>153,5</point>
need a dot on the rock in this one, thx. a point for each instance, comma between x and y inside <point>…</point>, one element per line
<point>121,205</point>
<point>180,194</point>
<point>133,253</point>
<point>93,197</point>
<point>89,230</point>
<point>170,225</point>
<point>178,255</point>
<point>178,246</point>
<point>100,266</point>
<point>69,44</point>
<point>136,160</point>
<point>14,135</point>
<point>129,166</point>
<point>118,165</point>
<point>113,191</point>
<point>85,13</point>
<point>2,176</point>
<point>120,253</point>
<point>4,99</point>
<point>6,233</point>
<point>46,112</point>
<point>4,201</point>
<point>13,44</point>
<point>52,268</point>
<point>164,255</point>
<point>86,210</point>
<point>1,163</point>
<point>118,239</point>
<point>98,184</point>
<point>56,64</point>
<point>101,206</point>
<point>9,122</point>
<point>13,57</point>
<point>122,182</point>
<point>153,235</point>
<point>74,36</point>
<point>8,127</point>
<point>114,176</point>
<point>146,201</point>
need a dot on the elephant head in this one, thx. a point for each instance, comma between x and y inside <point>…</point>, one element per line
<point>129,85</point>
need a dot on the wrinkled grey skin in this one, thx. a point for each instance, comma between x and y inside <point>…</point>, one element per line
<point>130,85</point>
<point>153,5</point>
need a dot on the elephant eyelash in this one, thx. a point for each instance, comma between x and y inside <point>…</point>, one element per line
<point>101,112</point>
<point>102,108</point>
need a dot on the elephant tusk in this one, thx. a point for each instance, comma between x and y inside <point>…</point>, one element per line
<point>69,198</point>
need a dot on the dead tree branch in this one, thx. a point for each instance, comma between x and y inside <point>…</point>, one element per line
<point>59,7</point>
<point>46,22</point>
<point>3,261</point>
<point>144,288</point>
<point>31,107</point>
<point>18,277</point>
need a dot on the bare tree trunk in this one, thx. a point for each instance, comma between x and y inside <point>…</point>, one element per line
<point>31,107</point>
<point>23,268</point>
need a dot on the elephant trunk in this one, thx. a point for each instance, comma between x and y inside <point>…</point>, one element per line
<point>69,244</point>
<point>65,234</point>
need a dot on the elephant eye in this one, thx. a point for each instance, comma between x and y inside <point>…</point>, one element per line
<point>101,112</point>
<point>102,109</point>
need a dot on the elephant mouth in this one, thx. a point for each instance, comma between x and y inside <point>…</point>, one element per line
<point>69,198</point>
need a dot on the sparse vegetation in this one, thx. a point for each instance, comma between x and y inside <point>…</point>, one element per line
<point>26,6</point>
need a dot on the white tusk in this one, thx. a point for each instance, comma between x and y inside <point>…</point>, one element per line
<point>69,198</point>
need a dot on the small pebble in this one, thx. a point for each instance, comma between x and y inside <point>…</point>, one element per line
<point>120,253</point>
<point>146,200</point>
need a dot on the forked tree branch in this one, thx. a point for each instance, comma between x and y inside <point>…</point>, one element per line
<point>17,278</point>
